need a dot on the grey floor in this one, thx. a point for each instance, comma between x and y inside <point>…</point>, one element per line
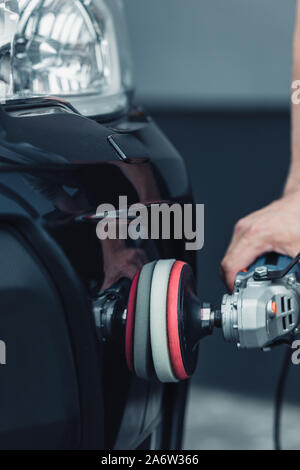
<point>218,420</point>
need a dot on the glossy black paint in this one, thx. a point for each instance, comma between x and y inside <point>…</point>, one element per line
<point>57,168</point>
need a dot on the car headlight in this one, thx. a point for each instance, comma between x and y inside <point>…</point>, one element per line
<point>75,49</point>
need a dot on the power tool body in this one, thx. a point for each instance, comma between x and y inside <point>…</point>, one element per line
<point>263,309</point>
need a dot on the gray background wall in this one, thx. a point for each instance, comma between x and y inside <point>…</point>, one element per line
<point>212,52</point>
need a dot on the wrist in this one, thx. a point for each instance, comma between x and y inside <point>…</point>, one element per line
<point>292,187</point>
<point>292,192</point>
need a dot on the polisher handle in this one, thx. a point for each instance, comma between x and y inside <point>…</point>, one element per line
<point>274,262</point>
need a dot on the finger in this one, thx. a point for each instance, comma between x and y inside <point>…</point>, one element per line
<point>242,255</point>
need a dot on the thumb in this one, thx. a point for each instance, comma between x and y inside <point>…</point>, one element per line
<point>236,261</point>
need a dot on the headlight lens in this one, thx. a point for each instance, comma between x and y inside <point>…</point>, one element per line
<point>75,49</point>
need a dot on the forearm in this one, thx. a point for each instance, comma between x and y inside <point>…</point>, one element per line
<point>276,227</point>
<point>293,181</point>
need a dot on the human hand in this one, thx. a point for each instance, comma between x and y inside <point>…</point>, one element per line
<point>275,228</point>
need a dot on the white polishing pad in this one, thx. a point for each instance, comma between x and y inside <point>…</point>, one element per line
<point>158,321</point>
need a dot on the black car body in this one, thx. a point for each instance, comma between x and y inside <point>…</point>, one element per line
<point>60,387</point>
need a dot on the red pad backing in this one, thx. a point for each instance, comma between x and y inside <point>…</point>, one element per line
<point>130,322</point>
<point>172,322</point>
